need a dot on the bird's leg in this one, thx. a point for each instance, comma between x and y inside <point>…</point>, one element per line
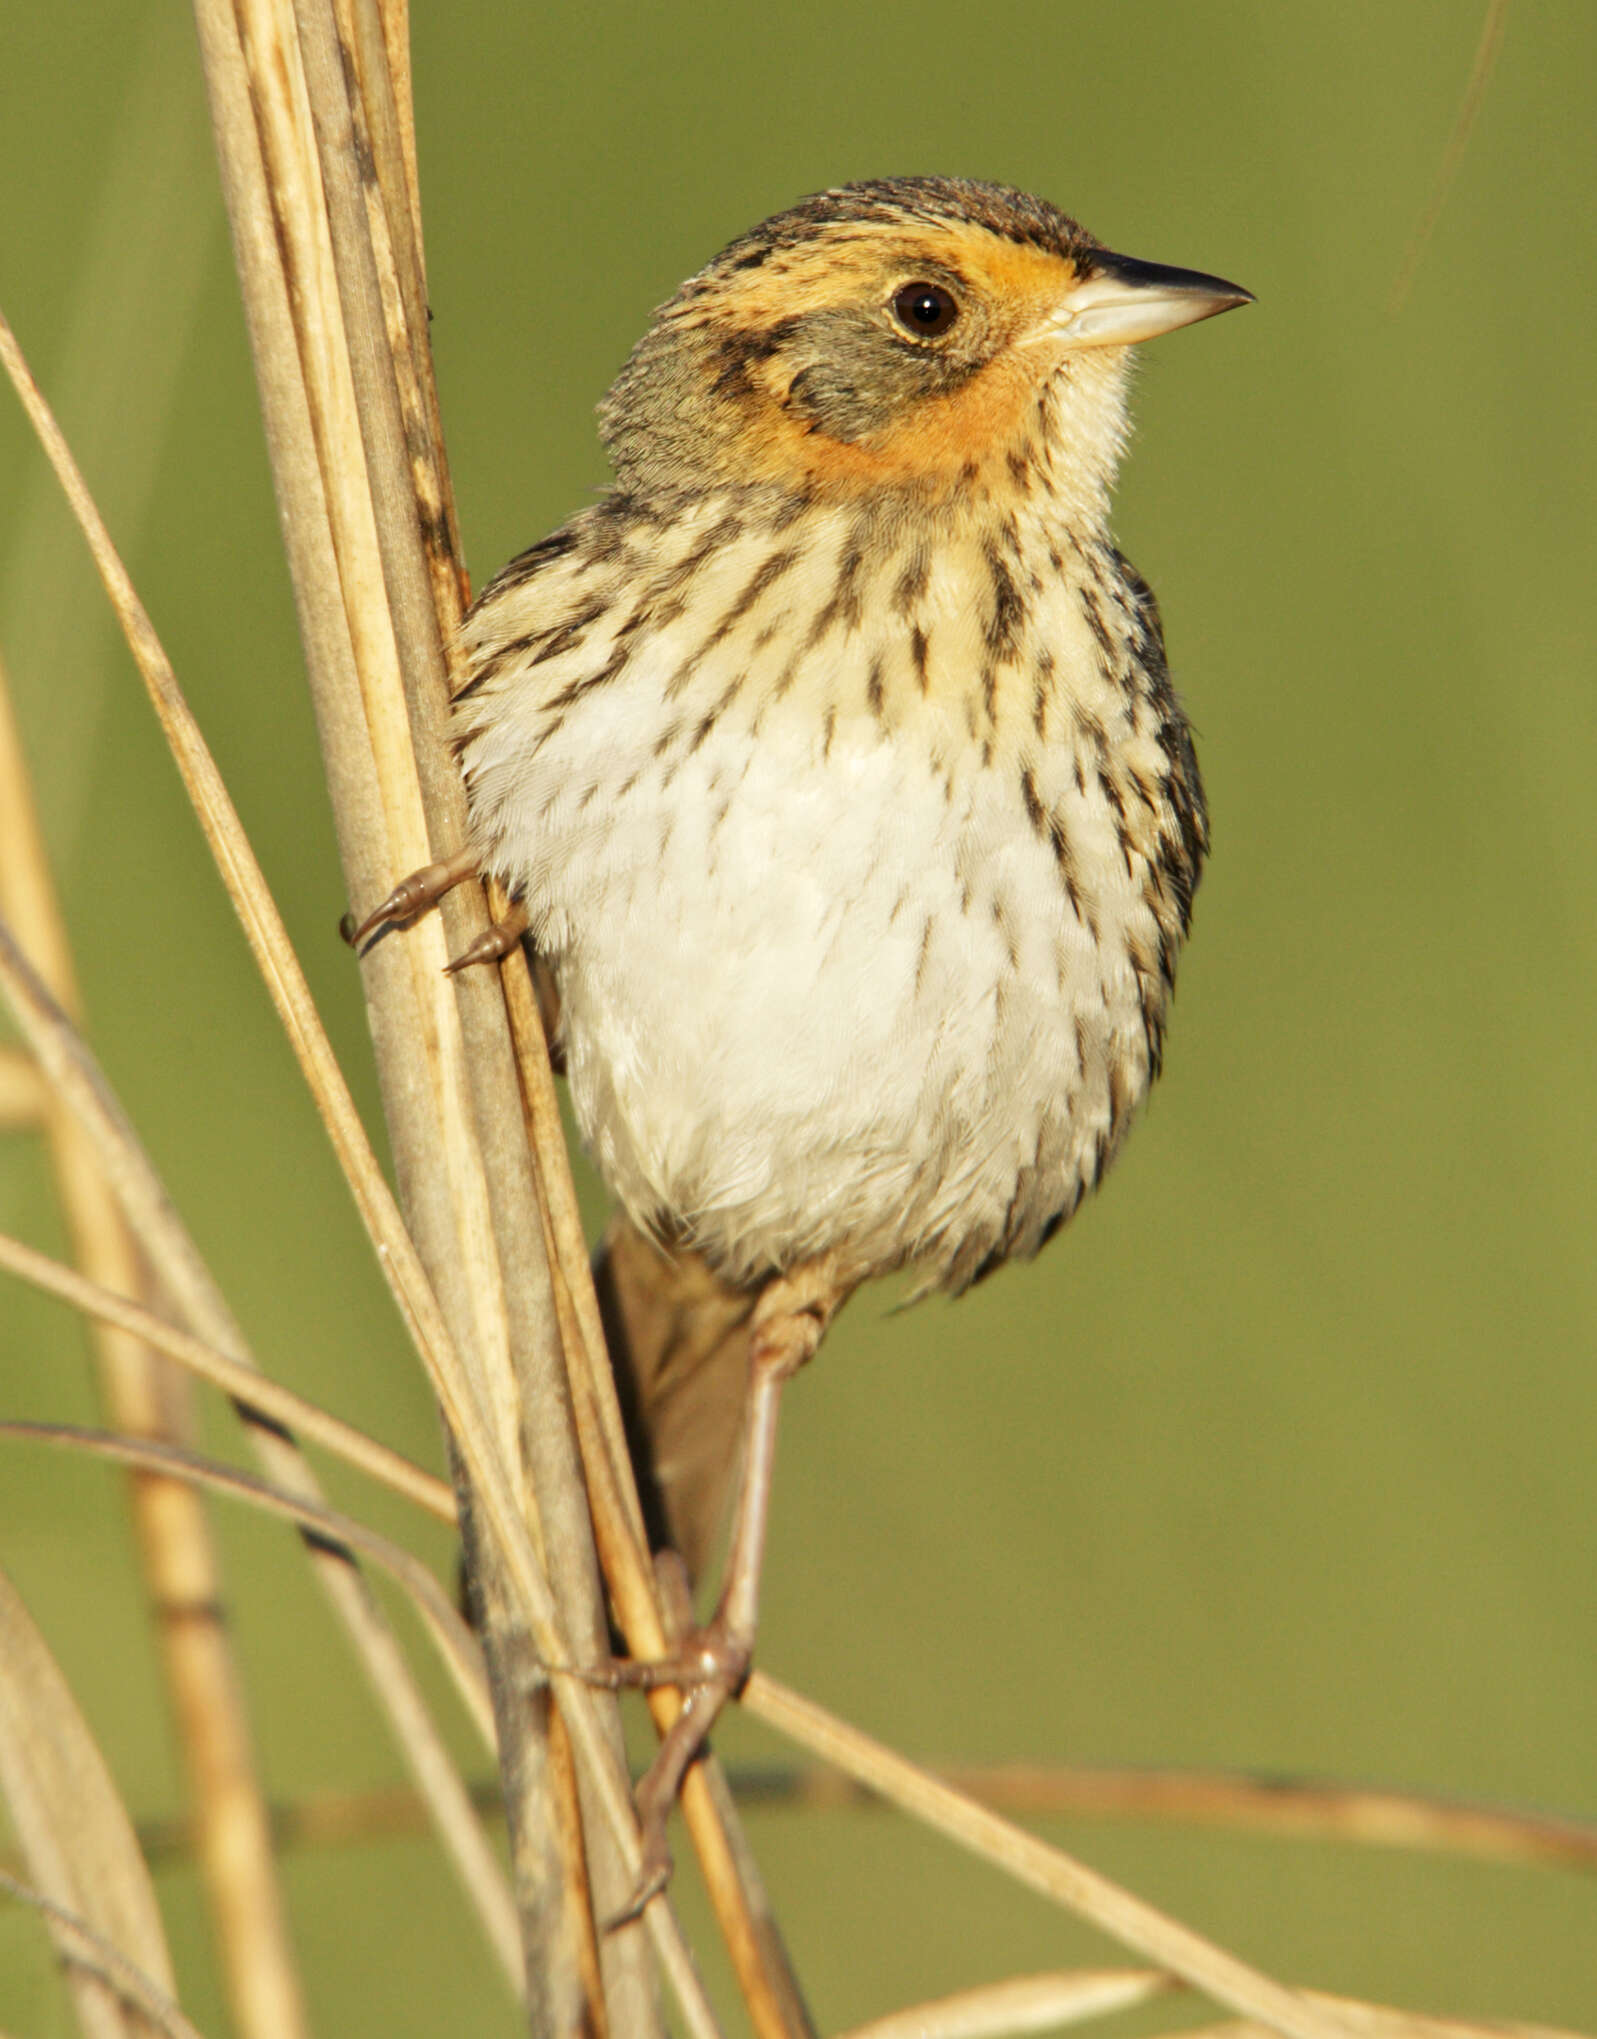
<point>712,1664</point>
<point>413,895</point>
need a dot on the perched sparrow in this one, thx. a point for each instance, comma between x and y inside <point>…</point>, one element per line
<point>834,758</point>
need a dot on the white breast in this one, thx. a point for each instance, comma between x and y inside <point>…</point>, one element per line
<point>823,987</point>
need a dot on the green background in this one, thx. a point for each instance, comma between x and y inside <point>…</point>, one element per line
<point>1283,1455</point>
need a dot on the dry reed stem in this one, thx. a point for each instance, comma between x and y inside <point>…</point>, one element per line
<point>1318,1809</point>
<point>69,1819</point>
<point>1140,1926</point>
<point>1299,1808</point>
<point>1306,1810</point>
<point>24,1094</point>
<point>1049,2003</point>
<point>312,242</point>
<point>93,1953</point>
<point>456,1645</point>
<point>74,1075</point>
<point>262,1395</point>
<point>1023,2003</point>
<point>1380,2021</point>
<point>76,1080</point>
<point>144,1395</point>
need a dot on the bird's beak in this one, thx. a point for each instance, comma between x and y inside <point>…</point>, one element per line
<point>1120,300</point>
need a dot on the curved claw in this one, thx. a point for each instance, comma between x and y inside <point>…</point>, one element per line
<point>412,895</point>
<point>652,1880</point>
<point>495,941</point>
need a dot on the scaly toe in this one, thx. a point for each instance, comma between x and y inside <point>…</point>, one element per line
<point>706,1659</point>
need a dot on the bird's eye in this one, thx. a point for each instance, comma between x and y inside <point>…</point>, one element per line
<point>925,309</point>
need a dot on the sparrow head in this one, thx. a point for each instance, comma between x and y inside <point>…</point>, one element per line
<point>923,334</point>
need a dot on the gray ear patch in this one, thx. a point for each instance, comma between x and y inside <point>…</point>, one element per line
<point>854,379</point>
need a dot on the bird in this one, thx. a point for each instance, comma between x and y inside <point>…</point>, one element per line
<point>833,760</point>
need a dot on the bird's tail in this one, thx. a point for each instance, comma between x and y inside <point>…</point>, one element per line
<point>678,1338</point>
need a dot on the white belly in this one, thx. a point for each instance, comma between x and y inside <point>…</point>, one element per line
<point>822,1004</point>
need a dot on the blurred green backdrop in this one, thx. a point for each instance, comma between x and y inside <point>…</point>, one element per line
<point>1283,1455</point>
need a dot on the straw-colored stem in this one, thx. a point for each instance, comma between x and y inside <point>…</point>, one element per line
<point>304,229</point>
<point>1022,2003</point>
<point>1135,1924</point>
<point>474,1068</point>
<point>456,1645</point>
<point>1295,1808</point>
<point>384,126</point>
<point>1298,1808</point>
<point>1304,1809</point>
<point>23,1094</point>
<point>75,1840</point>
<point>1480,71</point>
<point>1381,2021</point>
<point>96,1952</point>
<point>78,1084</point>
<point>258,1391</point>
<point>145,1395</point>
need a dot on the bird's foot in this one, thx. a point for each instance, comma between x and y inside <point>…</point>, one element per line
<point>705,1656</point>
<point>709,1667</point>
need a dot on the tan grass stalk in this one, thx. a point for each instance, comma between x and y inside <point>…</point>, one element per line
<point>1024,2003</point>
<point>1300,1808</point>
<point>75,1077</point>
<point>1124,1917</point>
<point>1379,2021</point>
<point>303,234</point>
<point>23,1095</point>
<point>769,1988</point>
<point>454,1640</point>
<point>1312,1809</point>
<point>262,1394</point>
<point>147,1397</point>
<point>69,1819</point>
<point>92,1956</point>
<point>1051,2003</point>
<point>76,1080</point>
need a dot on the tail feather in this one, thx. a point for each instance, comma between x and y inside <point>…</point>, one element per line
<point>678,1338</point>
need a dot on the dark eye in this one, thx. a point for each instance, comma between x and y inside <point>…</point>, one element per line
<point>925,309</point>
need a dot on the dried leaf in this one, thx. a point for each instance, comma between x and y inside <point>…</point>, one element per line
<point>73,1828</point>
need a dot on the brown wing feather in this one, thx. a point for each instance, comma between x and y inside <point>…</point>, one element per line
<point>678,1340</point>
